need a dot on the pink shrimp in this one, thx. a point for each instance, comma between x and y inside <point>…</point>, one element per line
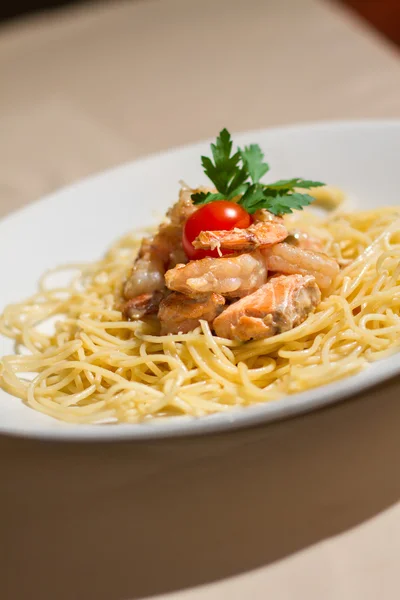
<point>279,305</point>
<point>231,276</point>
<point>304,241</point>
<point>266,230</point>
<point>141,306</point>
<point>288,259</point>
<point>161,251</point>
<point>180,314</point>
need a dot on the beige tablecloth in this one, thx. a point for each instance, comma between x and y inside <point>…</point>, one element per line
<point>306,509</point>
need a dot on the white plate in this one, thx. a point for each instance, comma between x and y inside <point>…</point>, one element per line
<point>80,222</point>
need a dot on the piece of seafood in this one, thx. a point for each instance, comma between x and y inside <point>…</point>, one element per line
<point>143,305</point>
<point>148,270</point>
<point>305,241</point>
<point>160,252</point>
<point>180,314</point>
<point>262,214</point>
<point>265,231</point>
<point>232,276</point>
<point>279,305</point>
<point>288,259</point>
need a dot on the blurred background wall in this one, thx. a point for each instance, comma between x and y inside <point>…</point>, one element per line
<point>384,15</point>
<point>16,8</point>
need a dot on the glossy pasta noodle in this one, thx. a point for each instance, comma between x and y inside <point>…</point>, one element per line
<point>95,367</point>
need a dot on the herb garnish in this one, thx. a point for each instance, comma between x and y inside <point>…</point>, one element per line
<point>239,174</point>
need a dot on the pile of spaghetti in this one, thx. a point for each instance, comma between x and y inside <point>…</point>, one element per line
<point>86,364</point>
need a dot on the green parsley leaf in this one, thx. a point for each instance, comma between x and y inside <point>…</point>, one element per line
<point>296,200</point>
<point>279,203</point>
<point>287,203</point>
<point>304,183</point>
<point>225,173</point>
<point>296,182</point>
<point>206,198</point>
<point>239,174</point>
<point>252,198</point>
<point>241,189</point>
<point>237,185</point>
<point>252,157</point>
<point>288,184</point>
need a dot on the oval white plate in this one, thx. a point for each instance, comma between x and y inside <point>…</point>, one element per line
<point>80,222</point>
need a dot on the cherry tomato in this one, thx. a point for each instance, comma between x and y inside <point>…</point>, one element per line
<point>214,216</point>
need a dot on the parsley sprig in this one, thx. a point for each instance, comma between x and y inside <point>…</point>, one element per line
<point>239,174</point>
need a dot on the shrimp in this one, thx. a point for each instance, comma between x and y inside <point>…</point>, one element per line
<point>141,306</point>
<point>180,314</point>
<point>279,305</point>
<point>305,241</point>
<point>160,252</point>
<point>147,275</point>
<point>288,259</point>
<point>265,231</point>
<point>262,214</point>
<point>231,276</point>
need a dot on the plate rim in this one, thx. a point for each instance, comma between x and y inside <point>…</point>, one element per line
<point>320,124</point>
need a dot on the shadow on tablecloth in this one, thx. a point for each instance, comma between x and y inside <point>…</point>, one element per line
<point>118,521</point>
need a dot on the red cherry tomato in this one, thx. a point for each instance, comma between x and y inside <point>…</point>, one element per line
<point>214,216</point>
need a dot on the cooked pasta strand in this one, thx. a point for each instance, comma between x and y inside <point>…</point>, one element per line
<point>95,367</point>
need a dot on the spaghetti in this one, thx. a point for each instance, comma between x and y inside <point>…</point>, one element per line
<point>78,360</point>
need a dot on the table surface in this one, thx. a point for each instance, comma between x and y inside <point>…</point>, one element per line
<point>307,508</point>
<point>384,14</point>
